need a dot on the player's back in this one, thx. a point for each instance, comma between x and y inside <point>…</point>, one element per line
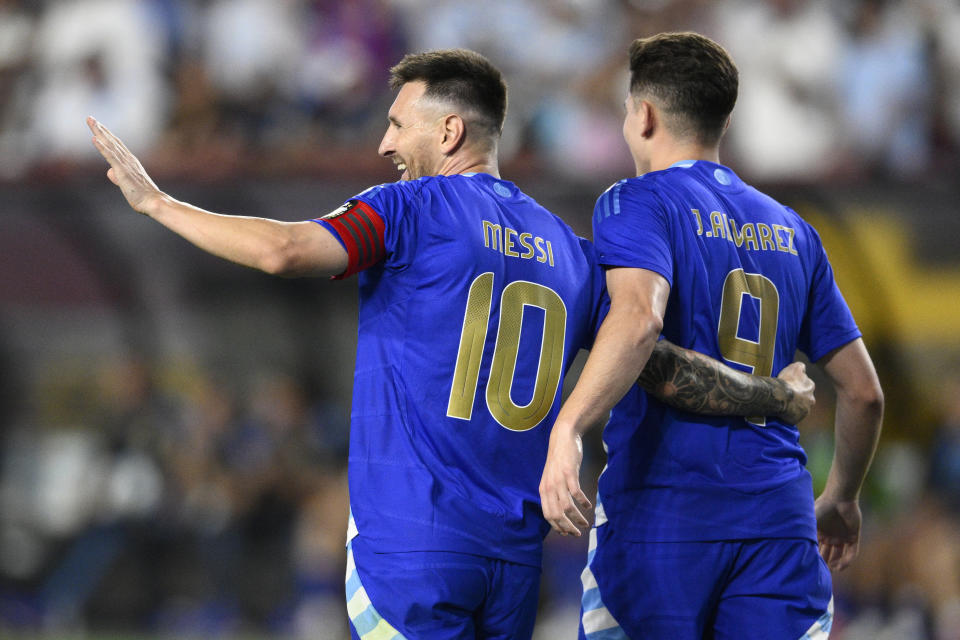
<point>466,328</point>
<point>747,277</point>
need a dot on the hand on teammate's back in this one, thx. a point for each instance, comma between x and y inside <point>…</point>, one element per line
<point>795,377</point>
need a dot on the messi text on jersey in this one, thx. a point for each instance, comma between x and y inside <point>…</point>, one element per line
<point>516,244</point>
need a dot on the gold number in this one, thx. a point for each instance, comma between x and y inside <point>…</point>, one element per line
<point>472,337</point>
<point>758,355</point>
<point>515,297</point>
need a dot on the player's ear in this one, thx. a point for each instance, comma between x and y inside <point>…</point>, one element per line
<point>454,132</point>
<point>648,118</point>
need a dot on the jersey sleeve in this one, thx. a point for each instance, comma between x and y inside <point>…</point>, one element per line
<point>630,230</point>
<point>370,226</point>
<point>598,287</point>
<point>828,322</point>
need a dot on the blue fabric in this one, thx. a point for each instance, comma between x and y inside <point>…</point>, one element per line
<point>423,480</point>
<point>444,595</point>
<point>676,476</point>
<point>757,589</point>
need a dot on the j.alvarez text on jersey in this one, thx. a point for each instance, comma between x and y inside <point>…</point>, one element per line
<point>516,244</point>
<point>753,236</point>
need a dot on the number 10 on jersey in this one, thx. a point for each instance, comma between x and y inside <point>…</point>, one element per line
<point>466,374</point>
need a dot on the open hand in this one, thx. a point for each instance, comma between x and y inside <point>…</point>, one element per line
<point>838,531</point>
<point>560,494</point>
<point>125,170</point>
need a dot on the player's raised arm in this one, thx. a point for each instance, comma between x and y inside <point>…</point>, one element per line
<point>694,382</point>
<point>273,246</point>
<point>857,429</point>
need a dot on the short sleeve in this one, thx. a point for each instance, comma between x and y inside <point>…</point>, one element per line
<point>398,203</point>
<point>630,230</point>
<point>828,322</point>
<point>599,297</point>
<point>373,227</point>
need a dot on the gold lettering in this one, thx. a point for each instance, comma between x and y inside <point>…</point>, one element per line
<point>790,231</point>
<point>696,214</point>
<point>525,243</point>
<point>542,257</point>
<point>716,224</point>
<point>749,236</point>
<point>735,236</point>
<point>766,237</point>
<point>508,243</point>
<point>491,235</point>
<point>777,228</point>
<point>516,244</point>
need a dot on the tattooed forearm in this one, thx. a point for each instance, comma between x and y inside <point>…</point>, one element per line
<point>694,382</point>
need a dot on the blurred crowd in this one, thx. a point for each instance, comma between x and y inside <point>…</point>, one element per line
<point>157,497</point>
<point>147,495</point>
<point>167,500</point>
<point>905,582</point>
<point>207,88</point>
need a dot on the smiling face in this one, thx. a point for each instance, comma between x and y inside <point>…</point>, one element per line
<point>413,137</point>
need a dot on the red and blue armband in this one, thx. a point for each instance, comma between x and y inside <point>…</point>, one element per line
<point>360,230</point>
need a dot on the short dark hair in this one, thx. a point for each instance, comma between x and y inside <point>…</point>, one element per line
<point>463,77</point>
<point>693,77</point>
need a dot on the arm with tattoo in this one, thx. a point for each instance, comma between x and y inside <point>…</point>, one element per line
<point>697,383</point>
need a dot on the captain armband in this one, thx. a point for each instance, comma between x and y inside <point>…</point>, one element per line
<point>360,229</point>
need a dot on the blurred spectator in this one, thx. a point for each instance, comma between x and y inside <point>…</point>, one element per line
<point>578,132</point>
<point>547,51</point>
<point>785,125</point>
<point>17,27</point>
<point>945,451</point>
<point>249,50</point>
<point>96,56</point>
<point>884,83</point>
<point>196,141</point>
<point>944,24</point>
<point>350,46</point>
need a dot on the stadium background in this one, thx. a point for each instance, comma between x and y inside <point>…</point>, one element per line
<point>173,428</point>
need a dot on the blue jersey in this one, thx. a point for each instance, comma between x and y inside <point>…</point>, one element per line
<point>750,284</point>
<point>474,302</point>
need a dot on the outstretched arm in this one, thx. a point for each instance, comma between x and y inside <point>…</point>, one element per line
<point>857,429</point>
<point>697,383</point>
<point>273,246</point>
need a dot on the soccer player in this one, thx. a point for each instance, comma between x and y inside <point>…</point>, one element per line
<point>473,302</point>
<point>706,527</point>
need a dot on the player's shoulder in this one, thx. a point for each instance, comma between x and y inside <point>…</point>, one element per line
<point>795,218</point>
<point>634,185</point>
<point>789,215</point>
<point>398,188</point>
<point>629,193</point>
<point>393,199</point>
<point>806,234</point>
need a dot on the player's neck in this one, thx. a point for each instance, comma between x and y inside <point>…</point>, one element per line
<point>667,156</point>
<point>470,163</point>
